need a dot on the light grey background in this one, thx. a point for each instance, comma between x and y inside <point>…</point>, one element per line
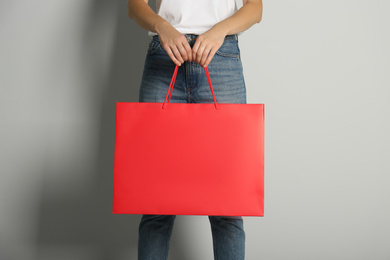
<point>321,69</point>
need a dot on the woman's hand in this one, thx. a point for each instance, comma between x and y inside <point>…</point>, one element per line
<point>206,45</point>
<point>174,43</point>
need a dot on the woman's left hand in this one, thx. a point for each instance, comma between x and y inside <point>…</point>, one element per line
<point>206,45</point>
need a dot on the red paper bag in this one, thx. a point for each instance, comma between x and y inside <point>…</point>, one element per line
<point>189,158</point>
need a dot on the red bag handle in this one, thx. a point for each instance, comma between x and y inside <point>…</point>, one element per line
<point>170,89</point>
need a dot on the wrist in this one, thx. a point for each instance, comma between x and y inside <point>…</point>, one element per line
<point>221,29</point>
<point>158,26</point>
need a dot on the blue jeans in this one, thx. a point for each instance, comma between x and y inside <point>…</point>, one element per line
<point>191,86</point>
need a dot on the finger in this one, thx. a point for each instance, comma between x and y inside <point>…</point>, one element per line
<point>199,53</point>
<point>206,53</point>
<point>177,54</point>
<point>188,50</point>
<point>210,57</point>
<point>182,51</point>
<point>194,51</point>
<point>173,58</point>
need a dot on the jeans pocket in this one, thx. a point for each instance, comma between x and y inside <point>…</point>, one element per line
<point>229,49</point>
<point>154,46</point>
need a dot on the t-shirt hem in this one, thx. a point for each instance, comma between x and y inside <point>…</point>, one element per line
<point>151,34</point>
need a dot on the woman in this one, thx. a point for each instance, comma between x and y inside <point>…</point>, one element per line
<point>193,35</point>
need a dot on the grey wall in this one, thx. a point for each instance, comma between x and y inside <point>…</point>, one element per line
<point>318,66</point>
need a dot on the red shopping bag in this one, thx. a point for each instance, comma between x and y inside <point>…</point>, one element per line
<point>189,158</point>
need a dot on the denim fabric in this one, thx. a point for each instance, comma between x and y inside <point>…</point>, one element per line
<point>191,86</point>
<point>155,234</point>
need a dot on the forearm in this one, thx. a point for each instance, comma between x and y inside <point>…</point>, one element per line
<point>144,16</point>
<point>249,14</point>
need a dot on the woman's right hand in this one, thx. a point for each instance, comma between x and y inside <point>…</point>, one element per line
<point>174,43</point>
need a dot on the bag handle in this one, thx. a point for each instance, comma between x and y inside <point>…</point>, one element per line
<point>170,89</point>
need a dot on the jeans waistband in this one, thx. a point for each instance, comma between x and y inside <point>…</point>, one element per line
<point>191,37</point>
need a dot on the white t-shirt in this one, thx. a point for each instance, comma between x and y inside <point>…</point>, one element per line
<point>194,16</point>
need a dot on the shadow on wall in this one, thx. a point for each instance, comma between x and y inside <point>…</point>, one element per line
<point>84,223</point>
